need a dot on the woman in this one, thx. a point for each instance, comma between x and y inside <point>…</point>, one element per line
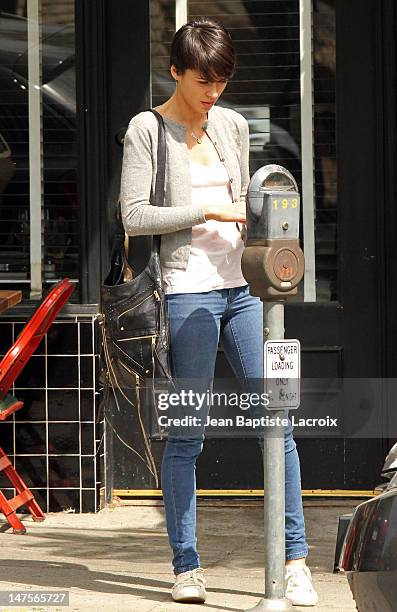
<point>207,297</point>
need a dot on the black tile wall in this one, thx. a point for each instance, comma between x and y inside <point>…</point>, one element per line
<point>64,472</point>
<point>63,405</point>
<point>34,405</point>
<point>52,440</point>
<point>86,372</point>
<point>8,493</point>
<point>33,374</point>
<point>63,439</point>
<point>33,470</point>
<point>30,438</point>
<point>88,470</point>
<point>88,498</point>
<point>99,407</point>
<point>41,496</point>
<point>62,372</point>
<point>86,339</point>
<point>7,437</point>
<point>64,499</point>
<point>62,339</point>
<point>87,405</point>
<point>87,438</point>
<point>101,468</point>
<point>5,337</point>
<point>4,482</point>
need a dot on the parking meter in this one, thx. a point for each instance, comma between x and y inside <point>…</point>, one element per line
<point>272,262</point>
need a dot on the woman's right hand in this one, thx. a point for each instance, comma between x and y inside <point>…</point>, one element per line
<point>222,212</point>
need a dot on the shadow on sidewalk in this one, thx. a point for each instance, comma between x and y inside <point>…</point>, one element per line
<point>141,546</point>
<point>64,576</point>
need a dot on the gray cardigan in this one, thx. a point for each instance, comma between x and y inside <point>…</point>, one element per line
<point>226,128</point>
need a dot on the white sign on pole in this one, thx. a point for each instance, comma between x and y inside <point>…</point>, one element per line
<point>282,373</point>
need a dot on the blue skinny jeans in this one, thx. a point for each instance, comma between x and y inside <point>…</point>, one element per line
<point>197,322</point>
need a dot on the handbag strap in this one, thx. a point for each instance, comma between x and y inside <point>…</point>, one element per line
<point>159,190</point>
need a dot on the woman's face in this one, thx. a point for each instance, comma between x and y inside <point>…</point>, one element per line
<point>198,93</point>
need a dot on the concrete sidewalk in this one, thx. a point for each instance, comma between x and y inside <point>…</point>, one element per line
<point>119,559</point>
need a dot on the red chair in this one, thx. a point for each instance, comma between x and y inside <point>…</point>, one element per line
<point>11,365</point>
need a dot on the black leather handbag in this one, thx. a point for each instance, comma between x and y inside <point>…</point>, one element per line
<point>134,318</point>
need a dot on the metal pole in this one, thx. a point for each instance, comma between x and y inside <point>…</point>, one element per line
<point>35,147</point>
<point>307,154</point>
<point>274,476</point>
<point>180,13</point>
<point>274,486</point>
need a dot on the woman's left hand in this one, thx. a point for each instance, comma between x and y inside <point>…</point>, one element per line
<point>220,212</point>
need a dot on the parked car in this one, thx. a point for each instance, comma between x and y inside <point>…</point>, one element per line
<point>369,551</point>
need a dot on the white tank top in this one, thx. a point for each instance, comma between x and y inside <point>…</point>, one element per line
<point>216,248</point>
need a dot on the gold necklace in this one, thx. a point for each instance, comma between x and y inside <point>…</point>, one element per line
<point>198,139</point>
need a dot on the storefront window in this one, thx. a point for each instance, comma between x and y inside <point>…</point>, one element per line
<point>325,163</point>
<point>267,91</point>
<point>39,210</point>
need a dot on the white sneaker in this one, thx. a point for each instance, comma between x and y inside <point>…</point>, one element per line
<point>298,586</point>
<point>190,587</point>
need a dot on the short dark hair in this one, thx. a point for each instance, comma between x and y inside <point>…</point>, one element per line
<point>206,46</point>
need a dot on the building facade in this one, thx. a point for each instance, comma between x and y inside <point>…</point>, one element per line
<point>316,82</point>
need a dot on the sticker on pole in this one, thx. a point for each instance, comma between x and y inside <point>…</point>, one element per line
<point>282,373</point>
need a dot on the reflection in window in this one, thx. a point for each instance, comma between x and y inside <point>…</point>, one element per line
<point>324,148</point>
<point>60,205</point>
